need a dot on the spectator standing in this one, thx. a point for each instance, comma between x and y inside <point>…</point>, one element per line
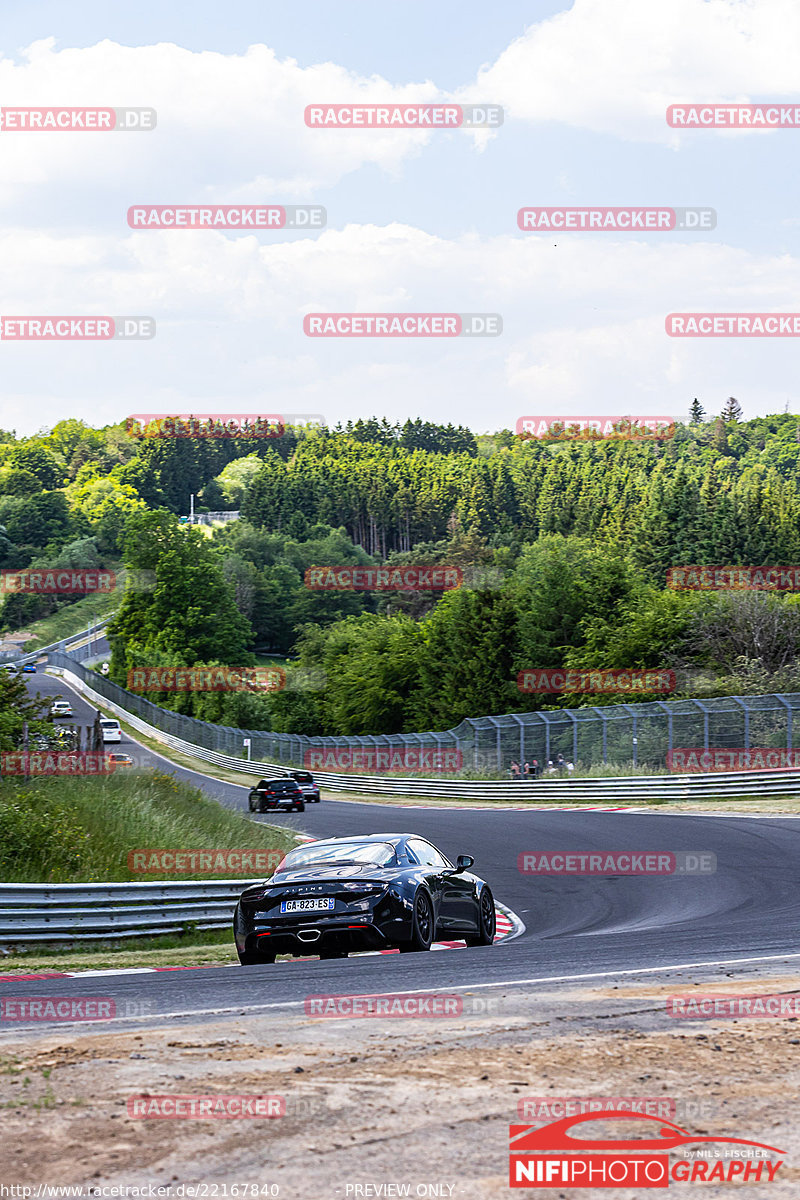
<point>514,769</point>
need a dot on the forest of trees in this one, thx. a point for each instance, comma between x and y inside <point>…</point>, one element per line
<point>565,546</point>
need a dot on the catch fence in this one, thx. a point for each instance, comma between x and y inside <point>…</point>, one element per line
<point>638,734</point>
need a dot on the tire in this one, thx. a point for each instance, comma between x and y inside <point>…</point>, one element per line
<point>261,807</point>
<point>250,803</point>
<point>300,807</point>
<point>422,925</point>
<point>249,959</point>
<point>487,921</point>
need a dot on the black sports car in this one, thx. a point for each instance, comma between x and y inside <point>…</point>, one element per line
<point>377,892</point>
<point>269,794</point>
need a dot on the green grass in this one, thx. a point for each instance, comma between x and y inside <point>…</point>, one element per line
<point>69,621</point>
<point>81,830</point>
<point>273,660</point>
<point>204,948</point>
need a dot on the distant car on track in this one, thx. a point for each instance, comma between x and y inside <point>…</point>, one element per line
<point>61,708</point>
<point>120,760</point>
<point>29,669</point>
<point>374,892</point>
<point>271,794</point>
<point>307,786</point>
<point>111,730</point>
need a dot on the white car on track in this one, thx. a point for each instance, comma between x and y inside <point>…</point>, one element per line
<point>111,730</point>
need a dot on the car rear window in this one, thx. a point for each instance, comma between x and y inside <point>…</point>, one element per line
<point>303,777</point>
<point>376,853</point>
<point>110,724</point>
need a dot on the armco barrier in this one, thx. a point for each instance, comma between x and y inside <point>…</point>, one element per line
<point>57,912</point>
<point>76,640</point>
<point>610,791</point>
<point>640,733</point>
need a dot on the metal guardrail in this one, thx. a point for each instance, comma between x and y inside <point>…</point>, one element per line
<point>35,912</point>
<point>604,791</point>
<point>61,644</point>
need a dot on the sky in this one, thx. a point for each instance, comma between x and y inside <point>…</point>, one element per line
<point>417,222</point>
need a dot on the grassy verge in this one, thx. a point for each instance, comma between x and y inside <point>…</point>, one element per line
<point>211,948</point>
<point>535,793</point>
<point>69,621</point>
<point>81,830</point>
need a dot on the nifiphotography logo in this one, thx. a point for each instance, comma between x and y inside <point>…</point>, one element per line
<point>642,1162</point>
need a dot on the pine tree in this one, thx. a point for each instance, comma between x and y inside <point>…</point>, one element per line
<point>732,410</point>
<point>696,412</point>
<point>720,437</point>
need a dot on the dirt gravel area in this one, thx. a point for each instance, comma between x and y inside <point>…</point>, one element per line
<point>420,1104</point>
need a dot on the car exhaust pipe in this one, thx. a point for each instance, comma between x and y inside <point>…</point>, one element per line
<point>309,935</point>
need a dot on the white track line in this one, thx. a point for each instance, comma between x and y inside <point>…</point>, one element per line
<point>240,1010</point>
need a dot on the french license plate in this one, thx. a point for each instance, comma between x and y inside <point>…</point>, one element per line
<point>313,904</point>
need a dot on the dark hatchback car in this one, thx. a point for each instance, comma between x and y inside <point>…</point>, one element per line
<point>375,892</point>
<point>269,794</point>
<point>307,785</point>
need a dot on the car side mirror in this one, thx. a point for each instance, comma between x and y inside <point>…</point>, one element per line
<point>464,862</point>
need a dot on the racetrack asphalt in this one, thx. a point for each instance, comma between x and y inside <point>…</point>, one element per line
<point>578,928</point>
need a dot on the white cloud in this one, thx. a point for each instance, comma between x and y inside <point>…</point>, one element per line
<point>583,325</point>
<point>230,127</point>
<point>614,66</point>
